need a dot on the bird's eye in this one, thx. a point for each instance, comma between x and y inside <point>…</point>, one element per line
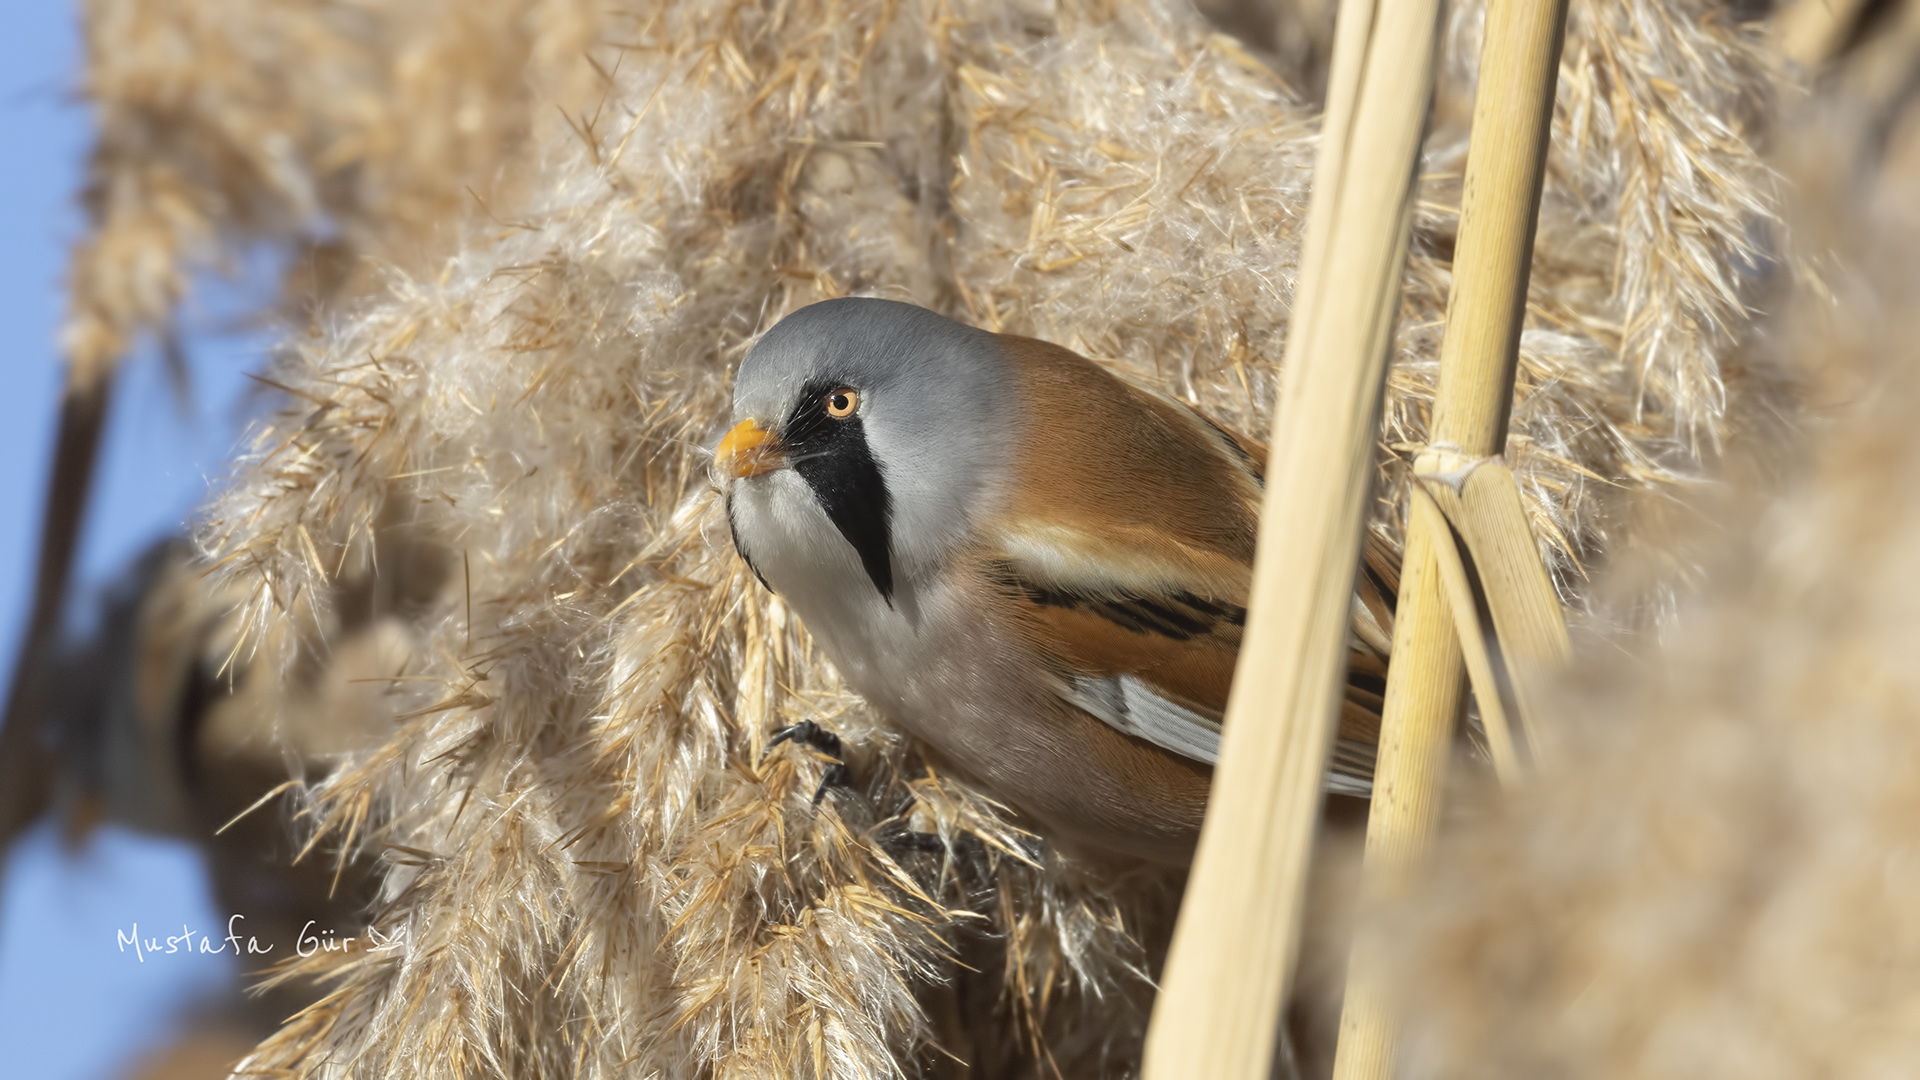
<point>842,402</point>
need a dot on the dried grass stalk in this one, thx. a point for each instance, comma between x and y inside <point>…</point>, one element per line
<point>1810,32</point>
<point>1479,356</point>
<point>1475,642</point>
<point>1717,876</point>
<point>1237,937</point>
<point>1524,613</point>
<point>26,769</point>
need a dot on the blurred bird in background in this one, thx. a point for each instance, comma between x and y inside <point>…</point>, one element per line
<point>161,723</point>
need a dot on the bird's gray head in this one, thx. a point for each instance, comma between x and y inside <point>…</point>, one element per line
<point>866,433</point>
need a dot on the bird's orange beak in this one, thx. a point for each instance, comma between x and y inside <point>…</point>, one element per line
<point>749,450</point>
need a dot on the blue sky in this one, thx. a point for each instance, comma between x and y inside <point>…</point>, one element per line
<point>72,1005</point>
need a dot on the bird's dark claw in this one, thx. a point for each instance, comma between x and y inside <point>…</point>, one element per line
<point>807,733</point>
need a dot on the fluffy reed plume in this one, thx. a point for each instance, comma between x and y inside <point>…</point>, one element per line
<point>1725,887</point>
<point>340,131</point>
<point>596,866</point>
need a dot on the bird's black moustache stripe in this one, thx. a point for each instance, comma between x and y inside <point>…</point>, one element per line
<point>832,456</point>
<point>733,529</point>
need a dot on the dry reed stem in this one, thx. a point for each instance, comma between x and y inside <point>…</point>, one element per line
<point>1526,615</point>
<point>1810,32</point>
<point>1716,877</point>
<point>1237,937</point>
<point>1425,700</point>
<point>26,769</point>
<point>1479,356</point>
<point>1504,608</point>
<point>1435,520</point>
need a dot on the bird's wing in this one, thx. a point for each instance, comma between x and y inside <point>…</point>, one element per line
<point>1157,664</point>
<point>1127,548</point>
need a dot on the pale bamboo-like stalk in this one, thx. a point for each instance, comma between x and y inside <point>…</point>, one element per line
<point>1474,646</point>
<point>1527,618</point>
<point>1506,162</point>
<point>1810,32</point>
<point>1487,553</point>
<point>1233,950</point>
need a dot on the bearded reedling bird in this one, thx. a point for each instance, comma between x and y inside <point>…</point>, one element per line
<point>1034,567</point>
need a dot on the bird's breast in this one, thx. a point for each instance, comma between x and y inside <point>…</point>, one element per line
<point>945,662</point>
<point>781,530</point>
